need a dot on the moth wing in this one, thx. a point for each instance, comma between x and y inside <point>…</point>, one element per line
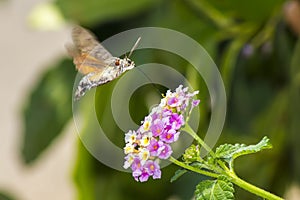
<point>84,62</point>
<point>86,43</point>
<point>83,39</point>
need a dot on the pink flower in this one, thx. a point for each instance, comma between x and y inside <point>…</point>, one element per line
<point>155,147</point>
<point>176,120</point>
<point>159,129</point>
<point>153,169</point>
<point>166,152</point>
<point>170,136</point>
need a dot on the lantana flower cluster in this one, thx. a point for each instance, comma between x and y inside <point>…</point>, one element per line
<point>151,142</point>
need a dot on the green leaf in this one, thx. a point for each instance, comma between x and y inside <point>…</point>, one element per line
<point>229,152</point>
<point>48,109</point>
<point>93,11</point>
<point>214,190</point>
<point>178,174</point>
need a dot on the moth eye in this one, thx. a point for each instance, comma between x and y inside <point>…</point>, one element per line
<point>117,63</point>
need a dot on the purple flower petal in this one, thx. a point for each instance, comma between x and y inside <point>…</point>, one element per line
<point>168,136</point>
<point>173,102</point>
<point>195,103</point>
<point>159,129</point>
<point>166,152</point>
<point>144,176</point>
<point>153,169</point>
<point>155,147</point>
<point>136,165</point>
<point>176,120</point>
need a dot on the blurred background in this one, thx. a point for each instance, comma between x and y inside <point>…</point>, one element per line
<point>254,43</point>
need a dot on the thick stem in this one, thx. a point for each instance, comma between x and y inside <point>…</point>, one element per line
<point>190,131</point>
<point>230,174</point>
<point>251,188</point>
<point>191,168</point>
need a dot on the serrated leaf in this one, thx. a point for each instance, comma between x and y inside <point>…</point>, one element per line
<point>229,152</point>
<point>48,109</point>
<point>178,174</point>
<point>226,151</point>
<point>214,190</point>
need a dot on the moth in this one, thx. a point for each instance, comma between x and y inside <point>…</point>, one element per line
<point>94,62</point>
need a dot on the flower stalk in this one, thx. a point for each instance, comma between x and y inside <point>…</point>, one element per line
<point>152,142</point>
<point>229,174</point>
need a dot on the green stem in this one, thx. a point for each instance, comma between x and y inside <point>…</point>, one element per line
<point>213,14</point>
<point>230,174</point>
<point>191,168</point>
<point>268,31</point>
<point>190,131</point>
<point>251,188</point>
<point>229,59</point>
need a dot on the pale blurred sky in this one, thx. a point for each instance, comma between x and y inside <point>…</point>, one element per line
<point>25,53</point>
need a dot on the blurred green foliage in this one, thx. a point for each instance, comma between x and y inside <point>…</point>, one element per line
<point>294,110</point>
<point>93,12</point>
<point>259,59</point>
<point>4,196</point>
<point>48,109</point>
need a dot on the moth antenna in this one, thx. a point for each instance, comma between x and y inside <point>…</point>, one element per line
<point>134,46</point>
<point>149,79</point>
